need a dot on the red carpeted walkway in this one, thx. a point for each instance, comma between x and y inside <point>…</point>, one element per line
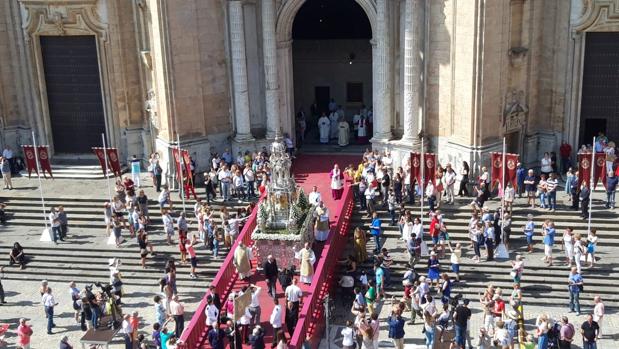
<point>308,170</point>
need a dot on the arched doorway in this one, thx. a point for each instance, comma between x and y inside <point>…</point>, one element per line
<point>323,56</point>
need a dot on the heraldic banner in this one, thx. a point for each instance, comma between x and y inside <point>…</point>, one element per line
<point>31,162</point>
<point>415,168</point>
<point>112,157</point>
<point>43,152</point>
<point>429,168</point>
<point>101,156</point>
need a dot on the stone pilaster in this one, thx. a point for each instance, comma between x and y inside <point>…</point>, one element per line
<point>271,81</point>
<point>239,71</point>
<point>381,66</point>
<point>413,69</point>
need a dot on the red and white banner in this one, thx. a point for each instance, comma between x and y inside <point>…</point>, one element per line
<point>496,172</point>
<point>43,152</point>
<point>584,168</point>
<point>511,162</point>
<point>101,156</point>
<point>429,168</point>
<point>600,170</point>
<point>112,158</point>
<point>31,161</point>
<point>177,163</point>
<point>415,168</point>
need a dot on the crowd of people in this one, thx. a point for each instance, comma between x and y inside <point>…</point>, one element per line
<point>377,185</point>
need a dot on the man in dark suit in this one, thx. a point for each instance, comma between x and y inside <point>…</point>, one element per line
<point>271,272</point>
<point>584,200</point>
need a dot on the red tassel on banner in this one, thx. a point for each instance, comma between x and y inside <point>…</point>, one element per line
<point>101,156</point>
<point>31,161</point>
<point>43,152</point>
<point>429,168</point>
<point>112,157</point>
<point>415,168</point>
<point>600,169</point>
<point>584,168</point>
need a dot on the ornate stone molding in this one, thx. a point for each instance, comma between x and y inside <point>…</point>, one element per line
<point>62,17</point>
<point>595,15</point>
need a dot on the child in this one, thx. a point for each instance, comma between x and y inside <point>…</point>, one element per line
<point>529,229</point>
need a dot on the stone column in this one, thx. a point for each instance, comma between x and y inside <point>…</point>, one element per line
<point>239,71</point>
<point>381,66</point>
<point>271,81</point>
<point>413,69</point>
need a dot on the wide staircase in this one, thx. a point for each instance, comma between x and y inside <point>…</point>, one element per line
<point>542,285</point>
<point>82,261</point>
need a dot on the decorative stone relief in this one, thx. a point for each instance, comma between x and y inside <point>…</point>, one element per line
<point>55,17</point>
<point>515,111</point>
<point>150,105</point>
<point>595,15</point>
<point>517,56</point>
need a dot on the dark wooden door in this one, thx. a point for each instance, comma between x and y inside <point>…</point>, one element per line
<point>73,92</point>
<point>323,96</point>
<point>600,86</point>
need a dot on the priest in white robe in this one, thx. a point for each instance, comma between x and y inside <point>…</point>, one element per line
<point>321,227</point>
<point>362,131</point>
<point>242,260</point>
<point>333,124</point>
<point>314,197</point>
<point>323,128</point>
<point>344,133</point>
<point>308,258</point>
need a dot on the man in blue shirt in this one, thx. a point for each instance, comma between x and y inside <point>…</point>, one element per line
<point>611,186</point>
<point>396,330</point>
<point>375,231</point>
<point>521,174</point>
<point>575,283</point>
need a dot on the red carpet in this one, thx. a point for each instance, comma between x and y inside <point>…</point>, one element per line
<point>309,170</point>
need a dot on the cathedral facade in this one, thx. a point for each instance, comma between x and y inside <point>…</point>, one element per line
<point>217,74</point>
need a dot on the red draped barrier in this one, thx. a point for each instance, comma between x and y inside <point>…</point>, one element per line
<point>311,317</point>
<point>194,334</point>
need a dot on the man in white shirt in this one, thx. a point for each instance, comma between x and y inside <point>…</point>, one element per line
<point>449,180</point>
<point>168,225</point>
<point>250,179</point>
<point>211,312</point>
<point>294,294</point>
<point>177,310</point>
<point>598,313</point>
<point>225,178</point>
<point>276,321</point>
<point>54,222</point>
<point>254,306</point>
<point>49,303</point>
<point>314,197</point>
<point>127,331</point>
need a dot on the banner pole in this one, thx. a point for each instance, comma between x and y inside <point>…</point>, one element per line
<point>503,188</point>
<point>593,165</point>
<point>36,158</point>
<point>180,168</point>
<point>423,179</point>
<point>107,176</point>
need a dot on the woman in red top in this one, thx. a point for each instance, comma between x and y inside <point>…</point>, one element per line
<point>435,228</point>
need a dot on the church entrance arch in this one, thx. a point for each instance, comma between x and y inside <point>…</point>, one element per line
<point>319,50</point>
